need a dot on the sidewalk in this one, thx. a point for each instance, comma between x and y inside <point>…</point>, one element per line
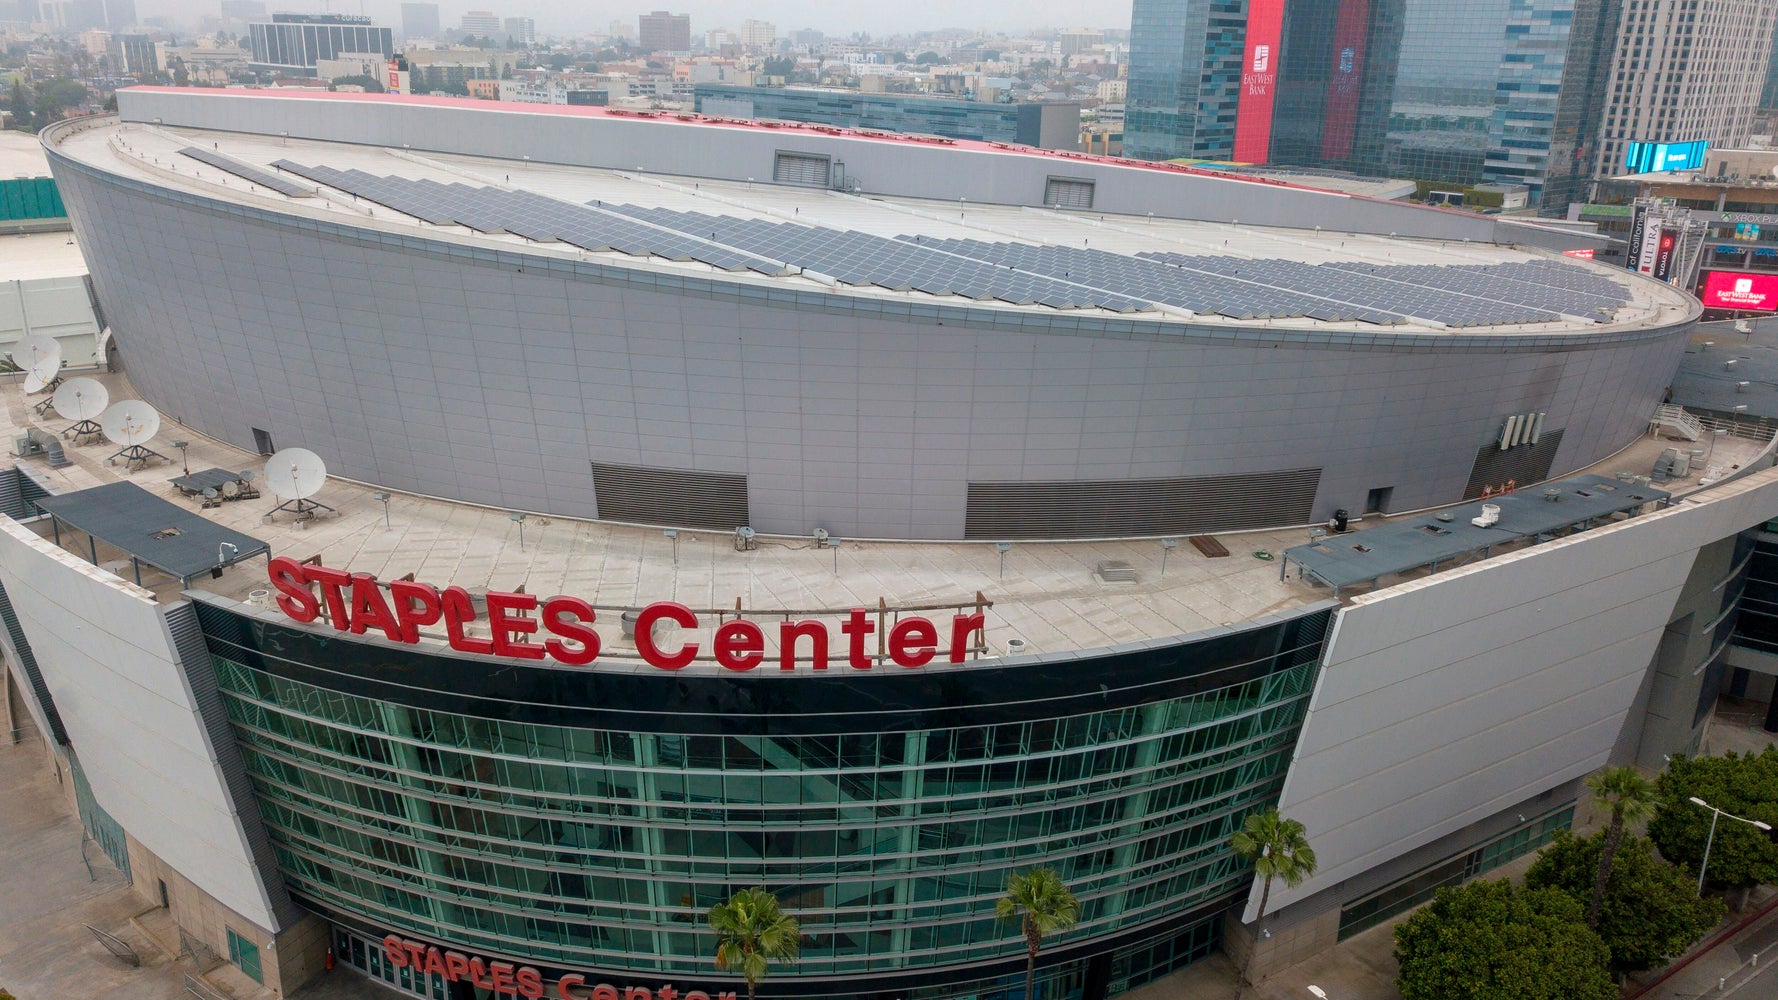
<point>46,897</point>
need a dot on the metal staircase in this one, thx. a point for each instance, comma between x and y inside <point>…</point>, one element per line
<point>1673,418</point>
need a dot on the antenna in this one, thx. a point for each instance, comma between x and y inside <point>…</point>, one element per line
<point>131,423</point>
<point>36,351</point>
<point>295,475</point>
<point>81,400</point>
<point>41,359</point>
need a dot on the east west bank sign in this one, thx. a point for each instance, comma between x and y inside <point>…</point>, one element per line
<point>528,627</point>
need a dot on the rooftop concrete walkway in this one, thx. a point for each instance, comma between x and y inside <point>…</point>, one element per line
<point>46,896</point>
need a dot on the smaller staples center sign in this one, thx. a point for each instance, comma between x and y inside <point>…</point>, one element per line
<point>528,627</point>
<point>1737,290</point>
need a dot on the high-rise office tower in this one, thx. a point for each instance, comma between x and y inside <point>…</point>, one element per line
<point>1465,91</point>
<point>664,32</point>
<point>1185,78</point>
<point>522,30</point>
<point>480,22</point>
<point>1686,72</point>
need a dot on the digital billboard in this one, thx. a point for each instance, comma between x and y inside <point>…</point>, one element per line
<point>1740,290</point>
<point>1651,157</point>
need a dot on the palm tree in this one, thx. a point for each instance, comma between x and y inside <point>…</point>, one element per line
<point>1630,797</point>
<point>751,933</point>
<point>1042,903</point>
<point>1278,848</point>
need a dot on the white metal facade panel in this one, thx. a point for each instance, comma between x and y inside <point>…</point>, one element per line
<point>108,661</point>
<point>1447,699</point>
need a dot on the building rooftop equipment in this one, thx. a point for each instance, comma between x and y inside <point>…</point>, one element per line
<point>151,531</point>
<point>1538,513</point>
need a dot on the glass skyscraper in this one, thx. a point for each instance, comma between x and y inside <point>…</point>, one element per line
<point>1506,91</point>
<point>1185,78</point>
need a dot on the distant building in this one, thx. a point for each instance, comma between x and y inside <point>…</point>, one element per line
<point>419,20</point>
<point>481,23</point>
<point>1074,41</point>
<point>134,54</point>
<point>521,30</point>
<point>1048,126</point>
<point>78,15</point>
<point>1457,91</point>
<point>808,39</point>
<point>243,11</point>
<point>758,36</point>
<point>294,43</point>
<point>664,32</point>
<point>1685,71</point>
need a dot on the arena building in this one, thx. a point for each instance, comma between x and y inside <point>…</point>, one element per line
<point>722,504</point>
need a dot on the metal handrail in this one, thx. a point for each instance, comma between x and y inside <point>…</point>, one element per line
<point>202,990</point>
<point>116,946</point>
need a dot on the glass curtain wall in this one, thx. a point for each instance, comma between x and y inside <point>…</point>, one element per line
<point>603,849</point>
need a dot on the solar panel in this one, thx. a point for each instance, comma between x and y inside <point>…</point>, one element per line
<point>263,178</point>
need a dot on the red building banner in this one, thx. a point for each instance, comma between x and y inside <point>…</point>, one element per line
<point>1344,82</point>
<point>1259,81</point>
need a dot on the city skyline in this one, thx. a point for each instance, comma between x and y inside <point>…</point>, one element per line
<point>788,15</point>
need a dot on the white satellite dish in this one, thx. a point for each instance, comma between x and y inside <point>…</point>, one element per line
<point>295,475</point>
<point>131,423</point>
<point>39,377</point>
<point>37,351</point>
<point>81,400</point>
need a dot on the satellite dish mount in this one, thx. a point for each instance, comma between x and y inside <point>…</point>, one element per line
<point>296,475</point>
<point>81,400</point>
<point>132,423</point>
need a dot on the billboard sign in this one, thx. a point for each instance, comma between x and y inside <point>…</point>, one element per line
<point>1741,291</point>
<point>1664,252</point>
<point>1344,82</point>
<point>1259,81</point>
<point>1638,229</point>
<point>1653,157</point>
<point>1651,243</point>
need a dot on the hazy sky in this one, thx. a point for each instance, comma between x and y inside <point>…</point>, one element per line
<point>836,17</point>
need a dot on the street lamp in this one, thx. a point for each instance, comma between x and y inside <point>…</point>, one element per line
<point>1710,841</point>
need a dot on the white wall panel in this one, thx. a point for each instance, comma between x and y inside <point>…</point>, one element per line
<point>108,661</point>
<point>1447,699</point>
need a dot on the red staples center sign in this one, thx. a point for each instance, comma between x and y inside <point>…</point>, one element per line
<point>528,627</point>
<point>519,980</point>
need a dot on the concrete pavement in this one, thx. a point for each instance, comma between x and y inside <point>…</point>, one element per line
<point>46,896</point>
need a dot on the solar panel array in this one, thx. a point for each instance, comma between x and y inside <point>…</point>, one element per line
<point>1198,291</point>
<point>855,258</point>
<point>533,216</point>
<point>1055,276</point>
<point>1459,295</point>
<point>263,178</point>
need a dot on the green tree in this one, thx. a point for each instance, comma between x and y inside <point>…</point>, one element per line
<point>751,933</point>
<point>20,106</point>
<point>1492,941</point>
<point>1042,904</point>
<point>929,59</point>
<point>1741,856</point>
<point>370,83</point>
<point>778,66</point>
<point>1278,848</point>
<point>1650,910</point>
<point>1631,798</point>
